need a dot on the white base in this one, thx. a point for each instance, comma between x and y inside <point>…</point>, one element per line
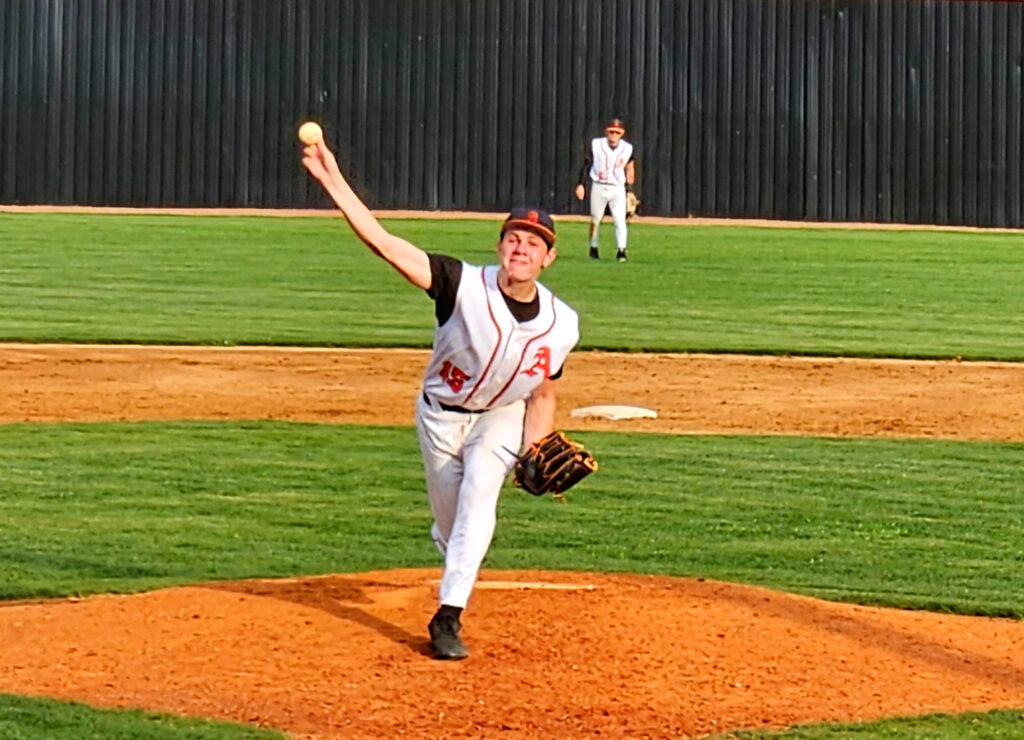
<point>615,412</point>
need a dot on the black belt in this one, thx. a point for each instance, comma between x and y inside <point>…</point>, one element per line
<point>449,407</point>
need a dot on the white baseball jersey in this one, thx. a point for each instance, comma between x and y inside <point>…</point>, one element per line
<point>608,166</point>
<point>484,358</point>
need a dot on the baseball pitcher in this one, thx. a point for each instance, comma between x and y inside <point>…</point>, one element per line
<point>488,396</point>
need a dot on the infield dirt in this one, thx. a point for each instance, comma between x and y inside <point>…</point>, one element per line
<point>554,654</point>
<point>693,394</point>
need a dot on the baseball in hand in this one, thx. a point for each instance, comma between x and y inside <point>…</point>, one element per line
<point>310,133</point>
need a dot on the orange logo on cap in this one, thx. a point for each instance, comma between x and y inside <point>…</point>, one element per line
<point>533,217</point>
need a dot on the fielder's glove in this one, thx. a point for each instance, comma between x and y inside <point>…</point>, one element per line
<point>632,203</point>
<point>553,465</point>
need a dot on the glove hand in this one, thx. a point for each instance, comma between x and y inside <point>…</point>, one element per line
<point>552,465</point>
<point>632,203</point>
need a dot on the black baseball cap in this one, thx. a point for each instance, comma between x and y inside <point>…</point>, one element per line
<point>616,125</point>
<point>532,219</point>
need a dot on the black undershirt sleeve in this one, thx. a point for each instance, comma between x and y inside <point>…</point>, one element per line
<point>585,172</point>
<point>445,274</point>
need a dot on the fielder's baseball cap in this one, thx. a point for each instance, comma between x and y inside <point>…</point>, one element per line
<point>615,125</point>
<point>531,219</point>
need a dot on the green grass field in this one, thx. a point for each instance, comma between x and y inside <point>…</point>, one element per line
<point>123,507</point>
<point>990,726</point>
<point>127,507</point>
<point>23,718</point>
<point>260,280</point>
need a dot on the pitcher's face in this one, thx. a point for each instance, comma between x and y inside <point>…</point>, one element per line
<point>522,254</point>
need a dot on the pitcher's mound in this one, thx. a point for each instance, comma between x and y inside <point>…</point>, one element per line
<point>552,655</point>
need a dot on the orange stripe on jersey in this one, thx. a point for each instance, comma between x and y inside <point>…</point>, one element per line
<point>525,348</point>
<point>497,346</point>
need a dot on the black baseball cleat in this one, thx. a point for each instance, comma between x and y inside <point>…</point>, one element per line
<point>444,637</point>
<point>621,256</point>
<point>593,253</point>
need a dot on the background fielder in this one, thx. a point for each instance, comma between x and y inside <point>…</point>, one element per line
<point>500,341</point>
<point>610,170</point>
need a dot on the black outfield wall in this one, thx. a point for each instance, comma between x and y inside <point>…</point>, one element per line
<point>864,110</point>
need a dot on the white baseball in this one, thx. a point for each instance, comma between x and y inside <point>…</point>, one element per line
<point>310,133</point>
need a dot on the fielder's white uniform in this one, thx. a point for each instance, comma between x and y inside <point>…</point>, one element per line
<point>608,186</point>
<point>485,363</point>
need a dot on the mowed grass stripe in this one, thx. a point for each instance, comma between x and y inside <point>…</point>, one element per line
<point>998,725</point>
<point>125,507</point>
<point>24,718</point>
<point>260,280</point>
<point>33,718</point>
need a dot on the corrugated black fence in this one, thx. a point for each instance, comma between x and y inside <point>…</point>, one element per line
<point>873,110</point>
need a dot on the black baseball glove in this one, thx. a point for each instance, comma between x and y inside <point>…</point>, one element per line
<point>553,465</point>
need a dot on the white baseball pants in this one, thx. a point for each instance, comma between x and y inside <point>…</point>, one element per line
<point>466,460</point>
<point>613,197</point>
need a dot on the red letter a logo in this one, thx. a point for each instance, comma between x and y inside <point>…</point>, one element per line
<point>541,362</point>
